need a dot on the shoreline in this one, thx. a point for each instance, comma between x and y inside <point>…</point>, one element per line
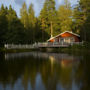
<point>3,50</point>
<point>69,50</point>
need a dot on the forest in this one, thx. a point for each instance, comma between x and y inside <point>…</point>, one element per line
<point>28,29</point>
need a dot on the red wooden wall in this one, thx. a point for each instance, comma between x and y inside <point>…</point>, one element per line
<point>67,35</point>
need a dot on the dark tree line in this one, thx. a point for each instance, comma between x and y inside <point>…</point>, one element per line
<point>82,19</point>
<point>30,29</point>
<point>14,30</point>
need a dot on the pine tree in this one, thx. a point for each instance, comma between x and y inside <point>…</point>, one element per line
<point>85,8</point>
<point>3,25</point>
<point>24,15</point>
<point>81,19</point>
<point>78,19</point>
<point>31,16</point>
<point>65,16</point>
<point>14,33</point>
<point>11,14</point>
<point>48,15</point>
<point>32,22</point>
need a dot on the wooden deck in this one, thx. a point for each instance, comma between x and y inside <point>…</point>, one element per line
<point>53,45</point>
<point>57,45</point>
<point>41,45</point>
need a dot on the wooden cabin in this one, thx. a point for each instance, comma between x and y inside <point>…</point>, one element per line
<point>65,37</point>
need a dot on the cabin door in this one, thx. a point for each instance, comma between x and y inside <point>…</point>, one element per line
<point>61,40</point>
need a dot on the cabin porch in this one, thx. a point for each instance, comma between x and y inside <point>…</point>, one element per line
<point>58,44</point>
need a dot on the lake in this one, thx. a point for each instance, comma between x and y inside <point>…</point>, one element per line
<point>44,71</point>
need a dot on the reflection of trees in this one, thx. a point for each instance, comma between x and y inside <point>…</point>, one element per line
<point>51,72</point>
<point>48,76</point>
<point>66,77</point>
<point>82,73</point>
<point>87,72</point>
<point>26,69</point>
<point>78,74</point>
<point>10,71</point>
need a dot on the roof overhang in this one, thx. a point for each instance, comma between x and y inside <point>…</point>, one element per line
<point>51,38</point>
<point>63,33</point>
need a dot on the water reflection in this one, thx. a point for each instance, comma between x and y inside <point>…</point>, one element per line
<point>44,71</point>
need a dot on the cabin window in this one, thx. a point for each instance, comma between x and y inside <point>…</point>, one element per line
<point>56,39</point>
<point>61,39</point>
<point>69,39</point>
<point>72,39</point>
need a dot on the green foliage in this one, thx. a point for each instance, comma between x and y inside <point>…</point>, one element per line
<point>25,30</point>
<point>32,21</point>
<point>82,19</point>
<point>24,15</point>
<point>78,19</point>
<point>65,16</point>
<point>30,29</point>
<point>47,15</point>
<point>85,6</point>
<point>86,45</point>
<point>3,25</point>
<point>74,47</point>
<point>15,33</point>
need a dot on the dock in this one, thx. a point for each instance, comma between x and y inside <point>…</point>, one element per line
<point>41,45</point>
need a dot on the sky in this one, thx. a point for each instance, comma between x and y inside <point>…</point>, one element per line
<point>38,4</point>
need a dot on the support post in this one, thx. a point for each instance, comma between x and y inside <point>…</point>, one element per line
<point>51,30</point>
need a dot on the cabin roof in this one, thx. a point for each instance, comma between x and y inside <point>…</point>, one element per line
<point>63,33</point>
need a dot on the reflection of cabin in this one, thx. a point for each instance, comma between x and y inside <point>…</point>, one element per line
<point>65,37</point>
<point>66,63</point>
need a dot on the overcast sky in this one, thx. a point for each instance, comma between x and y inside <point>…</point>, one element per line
<point>38,4</point>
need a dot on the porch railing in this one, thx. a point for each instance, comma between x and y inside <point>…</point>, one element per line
<point>37,45</point>
<point>18,46</point>
<point>56,44</point>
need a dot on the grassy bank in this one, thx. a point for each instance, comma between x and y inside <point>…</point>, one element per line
<point>16,50</point>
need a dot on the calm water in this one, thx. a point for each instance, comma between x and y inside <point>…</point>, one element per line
<point>44,71</point>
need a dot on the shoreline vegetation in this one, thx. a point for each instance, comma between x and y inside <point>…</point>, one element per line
<point>3,50</point>
<point>75,49</point>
